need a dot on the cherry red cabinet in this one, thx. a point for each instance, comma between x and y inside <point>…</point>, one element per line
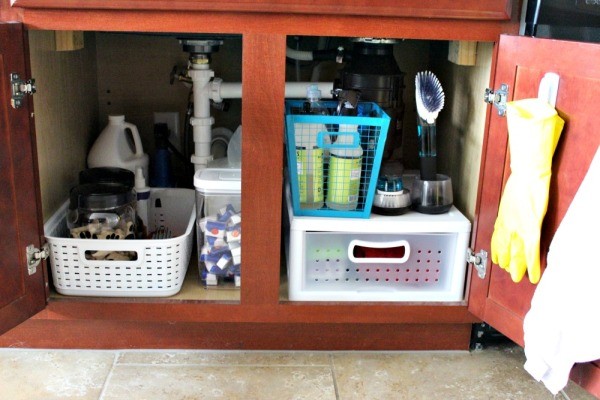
<point>262,320</point>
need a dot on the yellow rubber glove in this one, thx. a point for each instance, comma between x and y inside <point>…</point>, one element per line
<point>533,132</point>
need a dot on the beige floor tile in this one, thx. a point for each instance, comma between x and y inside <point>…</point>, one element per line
<point>227,358</point>
<point>190,382</point>
<point>49,374</point>
<point>495,373</point>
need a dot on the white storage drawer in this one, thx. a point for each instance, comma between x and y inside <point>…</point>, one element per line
<point>411,257</point>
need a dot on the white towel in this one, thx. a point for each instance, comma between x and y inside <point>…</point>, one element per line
<point>563,325</point>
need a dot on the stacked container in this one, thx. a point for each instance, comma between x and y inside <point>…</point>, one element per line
<point>218,226</point>
<point>408,258</point>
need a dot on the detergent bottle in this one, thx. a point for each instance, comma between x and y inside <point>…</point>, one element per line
<point>345,164</point>
<point>309,156</point>
<point>116,148</point>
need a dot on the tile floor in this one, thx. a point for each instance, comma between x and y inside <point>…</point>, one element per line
<point>493,373</point>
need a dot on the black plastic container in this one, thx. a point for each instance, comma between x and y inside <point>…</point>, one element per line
<point>374,72</point>
<point>107,175</point>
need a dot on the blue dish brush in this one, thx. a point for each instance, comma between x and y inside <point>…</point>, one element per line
<point>429,97</point>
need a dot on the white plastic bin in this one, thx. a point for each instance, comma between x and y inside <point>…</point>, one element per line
<point>159,266</point>
<point>218,226</point>
<point>411,257</point>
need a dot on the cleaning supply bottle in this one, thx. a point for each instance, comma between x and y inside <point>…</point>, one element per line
<point>313,99</point>
<point>114,147</point>
<point>309,156</point>
<point>161,162</point>
<point>345,163</point>
<point>427,149</point>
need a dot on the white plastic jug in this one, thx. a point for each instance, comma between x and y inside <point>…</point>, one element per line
<point>114,149</point>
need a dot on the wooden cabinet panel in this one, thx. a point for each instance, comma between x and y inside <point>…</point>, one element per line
<point>111,334</point>
<point>456,9</point>
<point>522,62</point>
<point>266,23</point>
<point>573,156</point>
<point>22,294</point>
<point>262,164</point>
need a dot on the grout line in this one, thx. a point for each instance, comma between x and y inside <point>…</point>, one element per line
<point>109,376</point>
<point>220,351</point>
<point>223,365</point>
<point>564,395</point>
<point>225,362</point>
<point>335,385</point>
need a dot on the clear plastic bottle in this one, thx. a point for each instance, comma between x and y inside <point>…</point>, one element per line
<point>313,98</point>
<point>345,163</point>
<point>143,197</point>
<point>427,149</point>
<point>309,156</point>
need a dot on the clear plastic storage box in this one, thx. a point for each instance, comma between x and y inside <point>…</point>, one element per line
<point>218,226</point>
<point>411,257</point>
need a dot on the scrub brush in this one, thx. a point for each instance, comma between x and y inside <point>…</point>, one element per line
<point>430,101</point>
<point>429,96</point>
<point>391,198</point>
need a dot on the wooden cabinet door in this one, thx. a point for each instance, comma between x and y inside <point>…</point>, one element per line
<point>21,294</point>
<point>521,63</point>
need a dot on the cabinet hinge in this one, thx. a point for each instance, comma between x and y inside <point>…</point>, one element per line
<point>35,256</point>
<point>478,260</point>
<point>20,88</point>
<point>497,98</point>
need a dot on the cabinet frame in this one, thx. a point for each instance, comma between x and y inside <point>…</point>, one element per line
<point>261,320</point>
<point>347,325</point>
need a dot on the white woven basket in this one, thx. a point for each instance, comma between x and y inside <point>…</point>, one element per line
<point>159,268</point>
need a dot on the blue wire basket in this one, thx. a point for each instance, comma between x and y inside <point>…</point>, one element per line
<point>333,161</point>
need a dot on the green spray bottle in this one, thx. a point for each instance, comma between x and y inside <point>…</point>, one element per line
<point>309,156</point>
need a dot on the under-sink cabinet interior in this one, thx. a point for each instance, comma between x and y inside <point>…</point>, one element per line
<point>139,75</point>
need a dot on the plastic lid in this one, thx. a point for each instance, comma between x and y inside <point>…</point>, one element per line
<point>347,144</point>
<point>100,196</point>
<point>218,180</point>
<point>107,175</point>
<point>313,93</point>
<point>140,179</point>
<point>116,118</point>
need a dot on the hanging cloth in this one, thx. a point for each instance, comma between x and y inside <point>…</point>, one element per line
<point>563,325</point>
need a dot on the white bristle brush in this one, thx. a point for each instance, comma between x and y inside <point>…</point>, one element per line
<point>429,96</point>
